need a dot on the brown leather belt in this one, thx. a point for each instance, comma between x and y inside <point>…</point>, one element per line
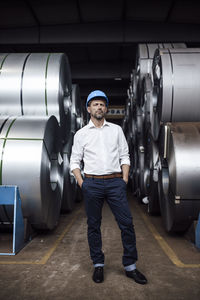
<point>108,176</point>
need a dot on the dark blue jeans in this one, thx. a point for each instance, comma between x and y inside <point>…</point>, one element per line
<point>95,191</point>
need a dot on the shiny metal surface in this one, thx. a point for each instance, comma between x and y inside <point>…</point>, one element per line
<point>145,57</point>
<point>37,84</point>
<point>144,67</point>
<point>146,53</point>
<point>144,61</point>
<point>34,86</point>
<point>10,83</point>
<point>183,158</point>
<point>177,215</point>
<point>178,86</point>
<point>29,150</point>
<point>47,86</point>
<point>164,199</point>
<point>166,156</point>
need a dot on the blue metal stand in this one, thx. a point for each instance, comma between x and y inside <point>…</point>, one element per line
<point>9,195</point>
<point>197,234</point>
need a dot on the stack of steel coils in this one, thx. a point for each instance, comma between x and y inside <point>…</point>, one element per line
<point>165,92</point>
<point>36,124</point>
<point>175,110</point>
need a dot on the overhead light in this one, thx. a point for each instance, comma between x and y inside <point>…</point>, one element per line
<point>117,78</point>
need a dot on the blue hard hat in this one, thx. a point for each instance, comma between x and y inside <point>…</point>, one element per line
<point>96,94</point>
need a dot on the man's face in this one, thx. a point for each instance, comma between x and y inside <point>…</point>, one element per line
<point>97,109</point>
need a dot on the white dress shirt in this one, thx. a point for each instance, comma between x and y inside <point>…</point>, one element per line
<point>103,150</point>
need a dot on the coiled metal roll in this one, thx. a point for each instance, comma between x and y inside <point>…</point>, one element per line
<point>36,84</point>
<point>145,55</point>
<point>176,89</point>
<point>179,189</point>
<point>144,59</point>
<point>29,150</point>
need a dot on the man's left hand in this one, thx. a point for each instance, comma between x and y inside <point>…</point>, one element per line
<point>126,180</point>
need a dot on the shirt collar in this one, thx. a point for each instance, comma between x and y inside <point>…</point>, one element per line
<point>91,124</point>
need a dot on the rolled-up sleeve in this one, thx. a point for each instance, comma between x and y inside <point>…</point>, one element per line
<point>124,157</point>
<point>77,153</point>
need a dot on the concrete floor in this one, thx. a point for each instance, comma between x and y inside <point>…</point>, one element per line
<point>57,265</point>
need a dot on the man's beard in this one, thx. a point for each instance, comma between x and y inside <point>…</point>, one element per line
<point>98,116</point>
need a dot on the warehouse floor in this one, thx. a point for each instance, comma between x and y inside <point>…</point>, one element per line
<point>57,265</point>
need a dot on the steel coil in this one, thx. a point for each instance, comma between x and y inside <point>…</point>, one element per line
<point>29,149</point>
<point>144,60</point>
<point>179,189</point>
<point>145,54</point>
<point>36,84</point>
<point>184,159</point>
<point>176,75</point>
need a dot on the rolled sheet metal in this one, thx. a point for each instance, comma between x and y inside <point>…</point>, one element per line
<point>176,75</point>
<point>36,84</point>
<point>144,60</point>
<point>177,215</point>
<point>10,84</point>
<point>145,54</point>
<point>183,157</point>
<point>29,150</point>
<point>179,189</point>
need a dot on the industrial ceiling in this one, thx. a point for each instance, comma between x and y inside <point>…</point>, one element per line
<point>100,37</point>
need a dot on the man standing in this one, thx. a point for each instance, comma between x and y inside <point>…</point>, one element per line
<point>103,148</point>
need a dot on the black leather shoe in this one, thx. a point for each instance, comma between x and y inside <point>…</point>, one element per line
<point>98,275</point>
<point>137,276</point>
